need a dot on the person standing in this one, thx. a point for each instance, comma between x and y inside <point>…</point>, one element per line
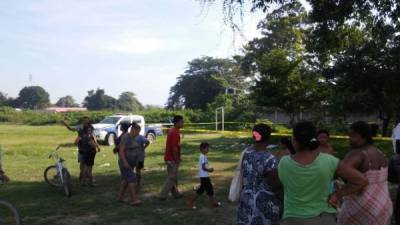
<point>324,145</point>
<point>258,201</point>
<point>143,144</point>
<point>395,158</point>
<point>3,176</point>
<point>127,161</point>
<point>205,181</point>
<point>87,145</point>
<point>306,178</point>
<point>172,158</point>
<point>85,122</point>
<point>373,205</point>
<point>286,148</point>
<point>396,138</point>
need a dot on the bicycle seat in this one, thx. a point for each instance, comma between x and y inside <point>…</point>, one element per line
<point>61,160</point>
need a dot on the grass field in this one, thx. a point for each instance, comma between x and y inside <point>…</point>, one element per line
<point>25,156</point>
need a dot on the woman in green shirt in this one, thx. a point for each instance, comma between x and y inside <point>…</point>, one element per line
<point>306,177</point>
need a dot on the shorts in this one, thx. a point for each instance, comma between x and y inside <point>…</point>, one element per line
<point>88,158</point>
<point>205,185</point>
<point>127,174</point>
<point>140,165</point>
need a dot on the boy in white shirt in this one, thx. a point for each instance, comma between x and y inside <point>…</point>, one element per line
<point>205,182</point>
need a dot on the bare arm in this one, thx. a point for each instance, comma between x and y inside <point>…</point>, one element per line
<point>68,126</point>
<point>204,167</point>
<point>356,181</point>
<point>95,142</point>
<point>122,155</point>
<point>77,140</point>
<point>273,180</point>
<point>146,144</point>
<point>175,153</point>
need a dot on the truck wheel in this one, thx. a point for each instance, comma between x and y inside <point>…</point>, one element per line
<point>151,137</point>
<point>110,139</point>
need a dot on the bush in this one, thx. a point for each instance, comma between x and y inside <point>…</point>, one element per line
<point>165,115</point>
<point>29,117</point>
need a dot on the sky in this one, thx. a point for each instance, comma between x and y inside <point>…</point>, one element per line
<point>72,46</point>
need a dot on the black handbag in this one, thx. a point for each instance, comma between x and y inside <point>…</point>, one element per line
<point>394,169</point>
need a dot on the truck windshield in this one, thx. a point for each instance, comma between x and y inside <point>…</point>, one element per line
<point>111,120</point>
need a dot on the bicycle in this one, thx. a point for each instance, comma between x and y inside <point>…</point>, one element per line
<point>8,214</point>
<point>57,175</point>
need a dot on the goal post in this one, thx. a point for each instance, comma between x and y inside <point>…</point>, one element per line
<point>222,118</point>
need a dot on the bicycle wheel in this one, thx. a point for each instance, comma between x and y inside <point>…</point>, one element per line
<point>67,182</point>
<point>8,214</point>
<point>52,176</point>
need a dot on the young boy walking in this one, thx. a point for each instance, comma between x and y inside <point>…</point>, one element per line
<point>205,182</point>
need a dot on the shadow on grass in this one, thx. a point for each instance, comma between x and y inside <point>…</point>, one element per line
<point>39,203</point>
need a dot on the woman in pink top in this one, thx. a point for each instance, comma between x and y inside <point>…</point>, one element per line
<point>373,205</point>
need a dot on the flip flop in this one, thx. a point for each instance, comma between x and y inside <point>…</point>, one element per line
<point>135,203</point>
<point>189,203</point>
<point>216,204</point>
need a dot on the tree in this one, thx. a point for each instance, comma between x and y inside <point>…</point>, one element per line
<point>358,52</point>
<point>204,79</point>
<point>33,97</point>
<point>352,46</point>
<point>237,107</point>
<point>327,12</point>
<point>284,78</point>
<point>98,100</point>
<point>3,99</point>
<point>127,101</point>
<point>367,81</point>
<point>67,101</point>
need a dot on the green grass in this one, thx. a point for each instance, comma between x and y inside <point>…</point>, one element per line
<point>25,156</point>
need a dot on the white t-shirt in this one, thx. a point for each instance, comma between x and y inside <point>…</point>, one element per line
<point>203,160</point>
<point>395,136</point>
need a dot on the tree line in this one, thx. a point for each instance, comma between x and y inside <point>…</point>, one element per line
<point>36,97</point>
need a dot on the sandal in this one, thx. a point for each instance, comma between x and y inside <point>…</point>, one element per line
<point>216,204</point>
<point>135,203</point>
<point>189,202</point>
